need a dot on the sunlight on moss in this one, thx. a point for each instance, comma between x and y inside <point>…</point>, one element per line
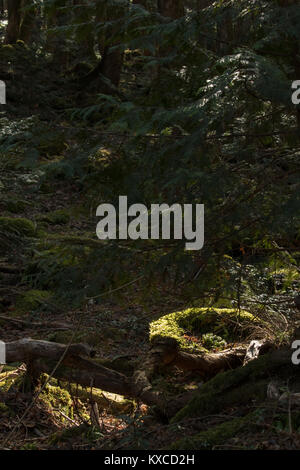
<point>201,328</point>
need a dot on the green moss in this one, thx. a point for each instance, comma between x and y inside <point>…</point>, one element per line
<point>52,259</point>
<point>217,434</point>
<point>211,403</point>
<point>17,226</point>
<point>31,300</point>
<point>7,380</point>
<point>14,205</point>
<point>211,341</point>
<point>29,446</point>
<point>116,404</point>
<point>215,325</point>
<point>59,398</point>
<point>3,408</point>
<point>59,217</point>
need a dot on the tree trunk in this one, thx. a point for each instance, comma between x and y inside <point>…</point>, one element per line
<point>14,21</point>
<point>56,43</point>
<point>112,60</point>
<point>28,23</point>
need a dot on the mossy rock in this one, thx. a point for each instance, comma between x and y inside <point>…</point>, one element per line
<point>59,217</point>
<point>201,328</point>
<point>17,226</point>
<point>31,300</point>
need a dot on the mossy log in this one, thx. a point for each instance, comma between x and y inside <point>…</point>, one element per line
<point>43,356</point>
<point>239,386</point>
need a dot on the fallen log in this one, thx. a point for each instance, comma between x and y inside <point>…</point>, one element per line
<point>43,356</point>
<point>167,352</point>
<point>28,349</point>
<point>71,364</point>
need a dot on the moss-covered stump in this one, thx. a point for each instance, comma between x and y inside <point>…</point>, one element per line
<point>216,435</point>
<point>202,329</point>
<point>239,386</point>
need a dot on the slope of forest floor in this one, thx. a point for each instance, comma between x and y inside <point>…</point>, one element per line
<point>118,329</point>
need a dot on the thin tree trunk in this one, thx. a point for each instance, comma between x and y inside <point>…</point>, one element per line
<point>29,17</point>
<point>56,44</point>
<point>84,33</point>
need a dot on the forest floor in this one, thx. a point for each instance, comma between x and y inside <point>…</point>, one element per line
<point>115,324</point>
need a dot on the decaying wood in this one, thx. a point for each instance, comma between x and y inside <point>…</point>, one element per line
<point>255,349</point>
<point>28,349</point>
<point>75,367</point>
<point>165,352</point>
<point>207,364</point>
<point>43,356</point>
<point>241,385</point>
